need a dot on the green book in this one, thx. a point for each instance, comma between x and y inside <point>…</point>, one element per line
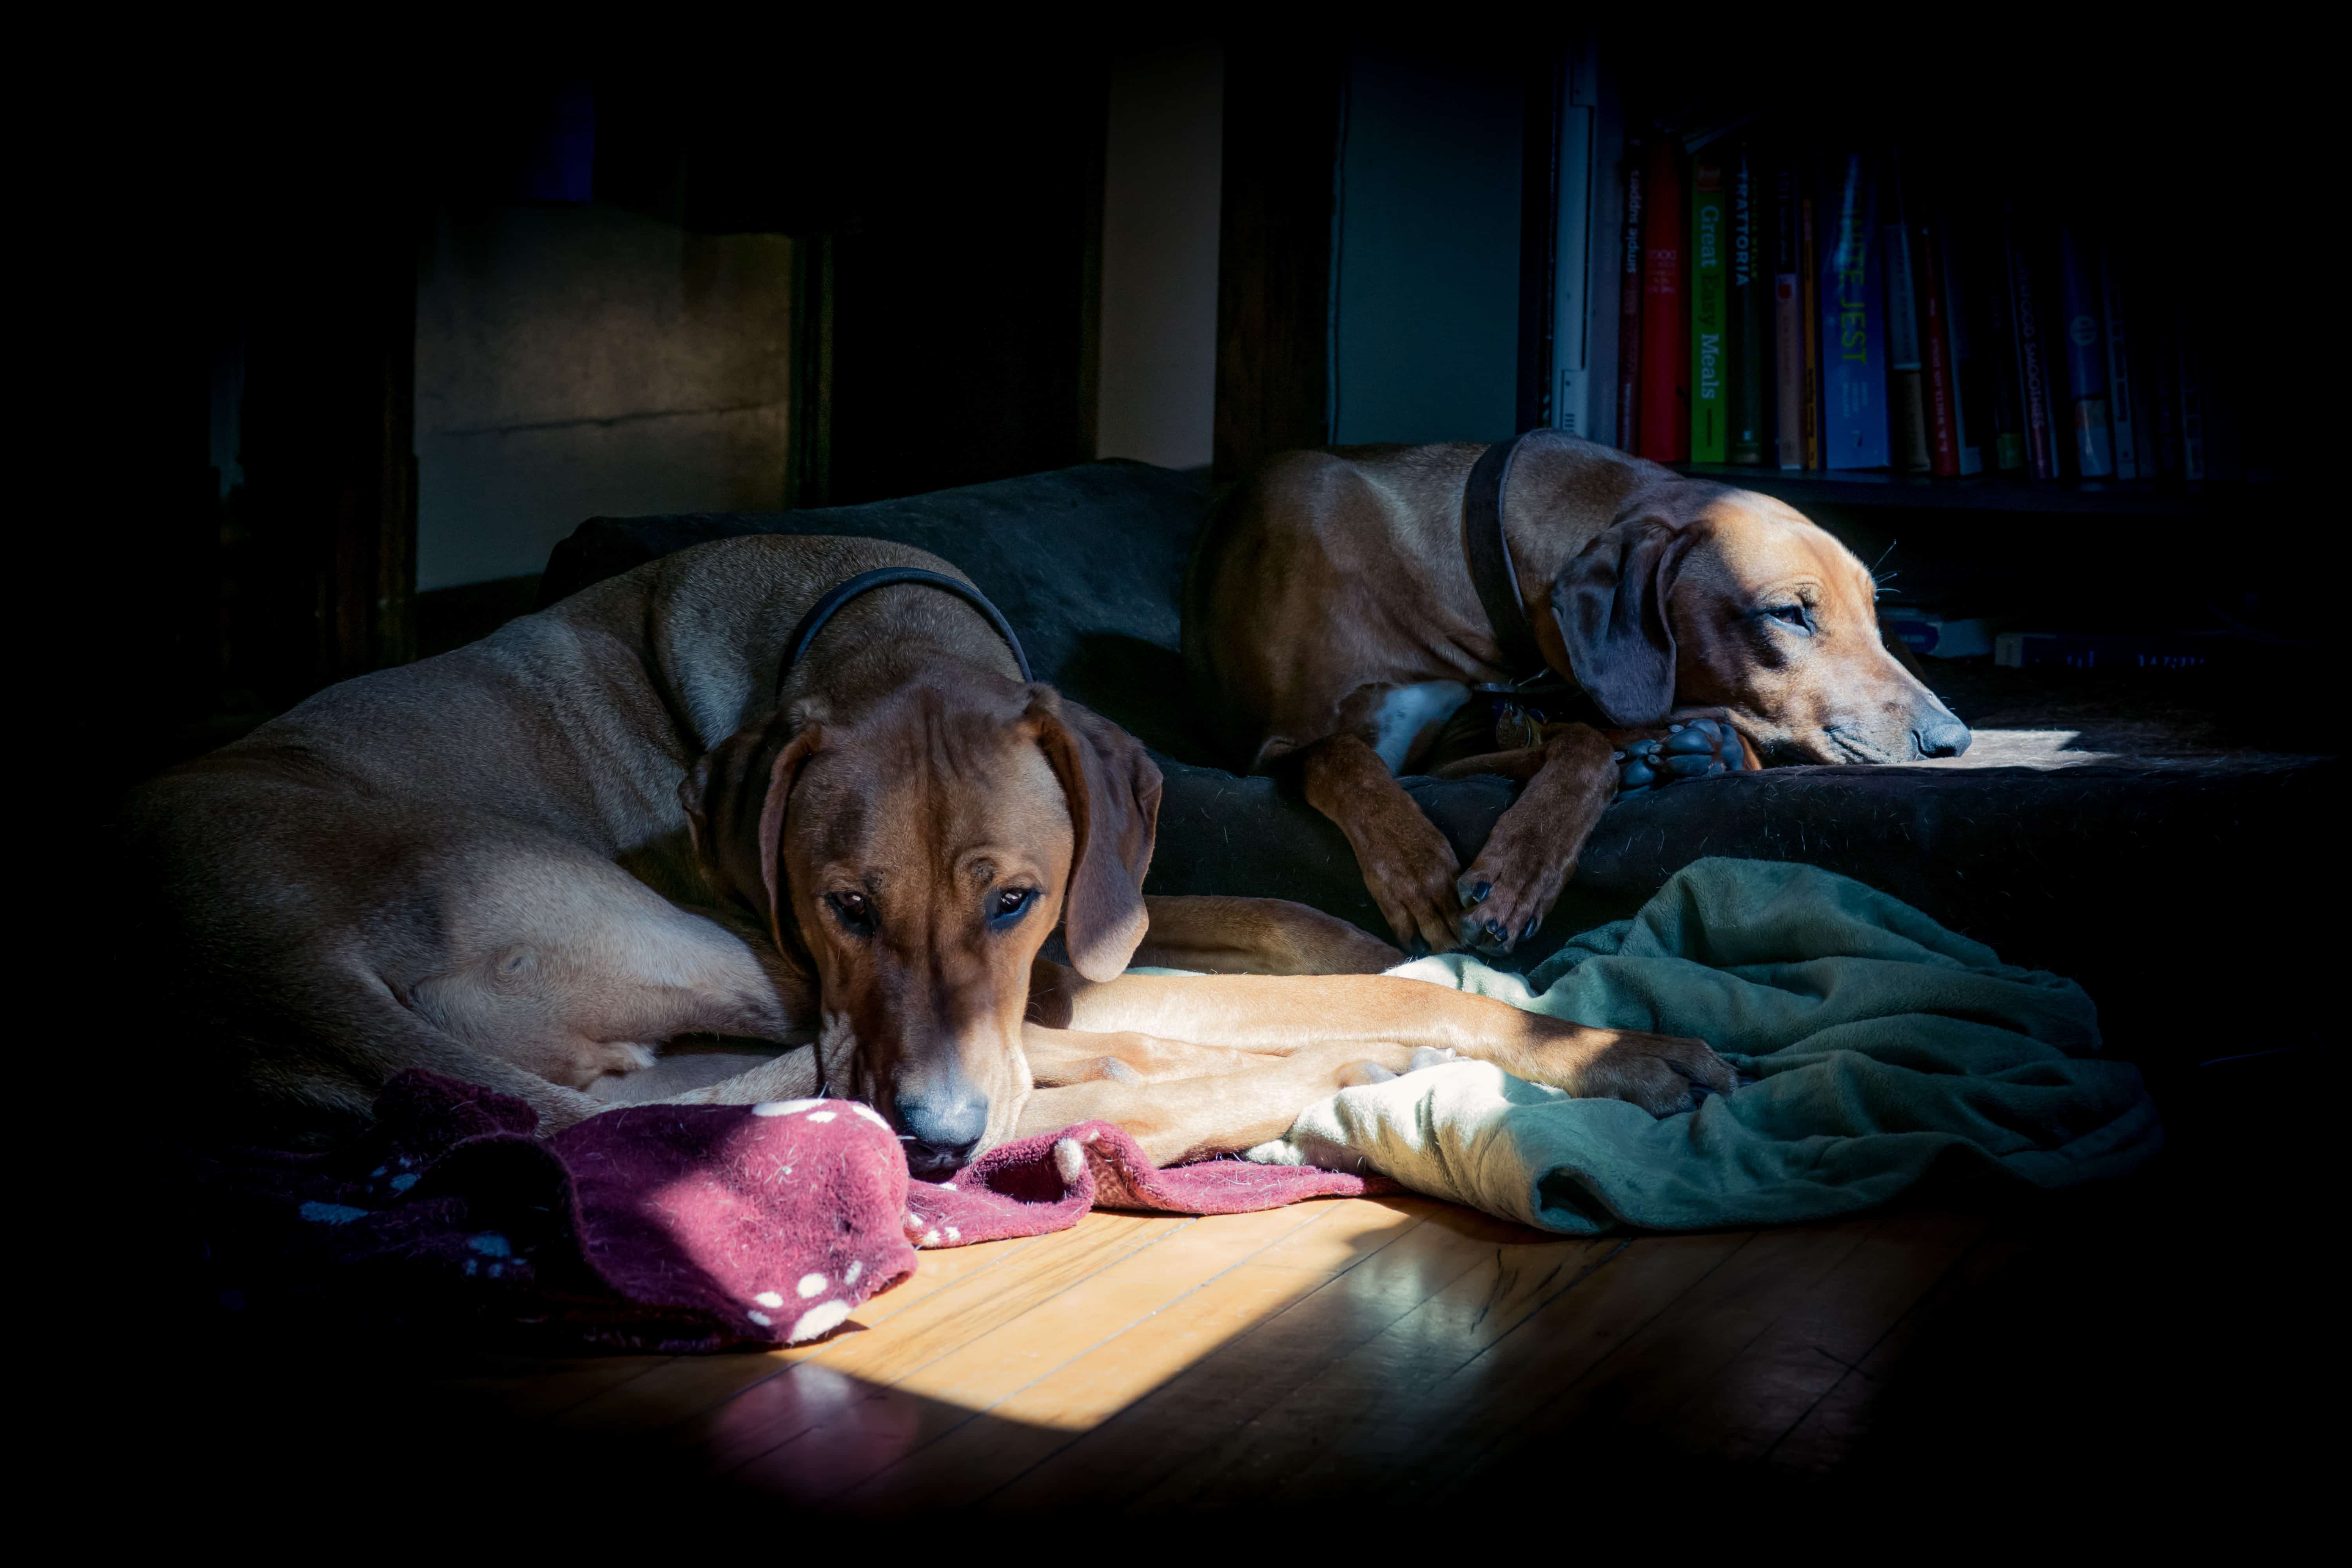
<point>1747,324</point>
<point>1710,239</point>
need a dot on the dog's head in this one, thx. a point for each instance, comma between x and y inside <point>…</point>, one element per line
<point>1702,597</point>
<point>920,856</point>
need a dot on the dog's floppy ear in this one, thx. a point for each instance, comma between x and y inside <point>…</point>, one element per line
<point>1113,788</point>
<point>734,798</point>
<point>1610,603</point>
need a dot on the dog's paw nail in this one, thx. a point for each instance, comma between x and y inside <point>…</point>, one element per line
<point>1532,928</point>
<point>1616,756</point>
<point>1472,892</point>
<point>1495,929</point>
<point>1416,948</point>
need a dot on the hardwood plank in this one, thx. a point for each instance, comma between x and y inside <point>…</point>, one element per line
<point>1826,1436</point>
<point>1674,1358</point>
<point>1407,1434</point>
<point>817,1388</point>
<point>1823,1336</point>
<point>1383,1384</point>
<point>1026,1389</point>
<point>1152,1441</point>
<point>688,1385</point>
<point>528,1389</point>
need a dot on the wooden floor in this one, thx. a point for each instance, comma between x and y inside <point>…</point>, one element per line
<point>1331,1349</point>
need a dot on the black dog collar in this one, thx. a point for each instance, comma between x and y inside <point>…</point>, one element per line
<point>866,583</point>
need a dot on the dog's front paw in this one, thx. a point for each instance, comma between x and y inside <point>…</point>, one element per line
<point>1412,882</point>
<point>1695,750</point>
<point>1665,1074</point>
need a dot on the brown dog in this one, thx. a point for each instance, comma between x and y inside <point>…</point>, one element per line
<point>601,857</point>
<point>1333,626</point>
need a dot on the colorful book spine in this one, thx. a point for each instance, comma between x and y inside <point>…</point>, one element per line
<point>1789,403</point>
<point>2032,358</point>
<point>1906,357</point>
<point>1971,378</point>
<point>1751,358</point>
<point>1939,382</point>
<point>1710,236</point>
<point>1852,322</point>
<point>2083,314</point>
<point>2123,392</point>
<point>1629,311</point>
<point>1666,319</point>
<point>1807,251</point>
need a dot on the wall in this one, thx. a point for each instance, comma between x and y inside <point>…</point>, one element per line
<point>586,360</point>
<point>1160,185</point>
<point>1426,273</point>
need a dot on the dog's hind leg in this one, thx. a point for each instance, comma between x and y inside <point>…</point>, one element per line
<point>1256,936</point>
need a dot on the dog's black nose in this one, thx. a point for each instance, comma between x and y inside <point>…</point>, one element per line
<point>1946,737</point>
<point>940,1134</point>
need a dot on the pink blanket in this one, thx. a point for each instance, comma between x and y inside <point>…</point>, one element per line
<point>650,1228</point>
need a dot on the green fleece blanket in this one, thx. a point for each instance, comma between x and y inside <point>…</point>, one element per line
<point>1883,1050</point>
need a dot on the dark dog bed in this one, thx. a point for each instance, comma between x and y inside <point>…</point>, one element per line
<point>2104,828</point>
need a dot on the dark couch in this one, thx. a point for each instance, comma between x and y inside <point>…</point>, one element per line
<point>2139,854</point>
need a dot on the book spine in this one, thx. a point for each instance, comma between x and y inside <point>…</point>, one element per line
<point>2086,357</point>
<point>2192,406</point>
<point>1971,377</point>
<point>1906,358</point>
<point>1811,412</point>
<point>2007,380</point>
<point>1936,356</point>
<point>1710,233</point>
<point>2166,399</point>
<point>2033,368</point>
<point>1751,362</point>
<point>1854,432</point>
<point>1665,321</point>
<point>1789,319</point>
<point>1628,310</point>
<point>2123,393</point>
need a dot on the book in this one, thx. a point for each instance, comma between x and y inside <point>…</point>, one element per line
<point>1666,323</point>
<point>2026,324</point>
<point>1810,415</point>
<point>1972,370</point>
<point>1751,355</point>
<point>2166,398</point>
<point>1629,308</point>
<point>1906,407</point>
<point>1572,393</point>
<point>1710,236</point>
<point>1855,433</point>
<point>1937,380</point>
<point>2123,391</point>
<point>2081,650</point>
<point>2082,330</point>
<point>2192,406</point>
<point>2005,380</point>
<point>1790,392</point>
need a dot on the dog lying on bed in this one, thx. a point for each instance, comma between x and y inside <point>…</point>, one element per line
<point>768,818</point>
<point>1341,606</point>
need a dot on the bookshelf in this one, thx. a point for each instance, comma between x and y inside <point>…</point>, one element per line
<point>1875,490</point>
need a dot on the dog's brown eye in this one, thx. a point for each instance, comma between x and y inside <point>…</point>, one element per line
<point>1010,905</point>
<point>853,912</point>
<point>1796,615</point>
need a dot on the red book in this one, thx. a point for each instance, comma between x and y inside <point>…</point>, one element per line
<point>1936,329</point>
<point>1629,312</point>
<point>1665,321</point>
